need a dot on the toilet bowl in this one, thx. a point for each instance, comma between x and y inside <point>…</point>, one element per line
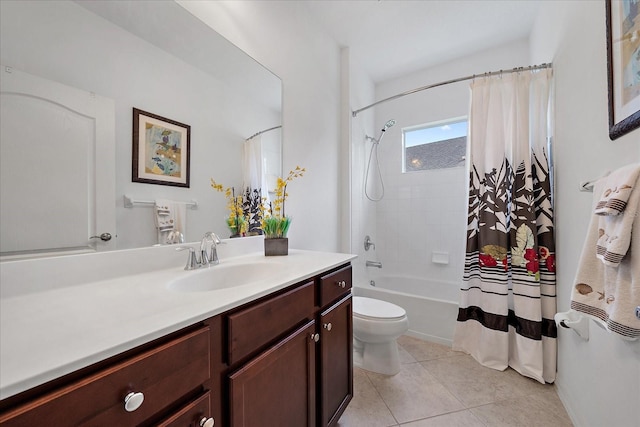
<point>376,326</point>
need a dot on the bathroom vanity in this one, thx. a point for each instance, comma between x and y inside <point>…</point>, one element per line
<point>275,350</point>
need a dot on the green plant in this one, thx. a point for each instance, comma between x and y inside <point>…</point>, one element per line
<point>275,223</point>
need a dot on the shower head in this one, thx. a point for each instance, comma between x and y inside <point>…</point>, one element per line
<point>388,125</point>
<point>384,129</point>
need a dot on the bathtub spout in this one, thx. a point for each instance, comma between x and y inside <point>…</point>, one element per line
<point>374,264</point>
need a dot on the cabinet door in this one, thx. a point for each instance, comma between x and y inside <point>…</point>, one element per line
<point>336,361</point>
<point>277,388</point>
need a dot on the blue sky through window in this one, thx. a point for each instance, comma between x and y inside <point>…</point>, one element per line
<point>435,133</point>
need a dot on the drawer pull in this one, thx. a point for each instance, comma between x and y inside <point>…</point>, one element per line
<point>132,401</point>
<point>327,326</point>
<point>315,337</point>
<point>342,284</point>
<point>207,422</point>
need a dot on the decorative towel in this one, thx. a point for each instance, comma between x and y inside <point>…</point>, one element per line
<point>170,217</point>
<point>608,294</point>
<point>618,188</point>
<point>614,230</point>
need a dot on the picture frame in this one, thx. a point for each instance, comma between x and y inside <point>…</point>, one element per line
<point>623,65</point>
<point>161,150</point>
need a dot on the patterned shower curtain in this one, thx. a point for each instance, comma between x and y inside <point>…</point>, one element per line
<point>508,297</point>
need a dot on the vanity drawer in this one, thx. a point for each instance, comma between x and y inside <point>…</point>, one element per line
<point>252,327</point>
<point>164,374</point>
<point>334,285</point>
<point>191,414</point>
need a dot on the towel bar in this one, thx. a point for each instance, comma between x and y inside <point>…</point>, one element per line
<point>130,202</point>
<point>587,186</point>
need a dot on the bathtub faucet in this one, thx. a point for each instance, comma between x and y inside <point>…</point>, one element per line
<point>374,264</point>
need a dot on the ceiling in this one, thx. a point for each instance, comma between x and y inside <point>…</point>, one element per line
<point>392,38</point>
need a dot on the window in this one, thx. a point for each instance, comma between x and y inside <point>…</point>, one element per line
<point>437,145</point>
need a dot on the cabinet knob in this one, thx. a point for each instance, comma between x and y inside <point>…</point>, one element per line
<point>207,422</point>
<point>315,337</point>
<point>327,326</point>
<point>132,401</point>
<point>342,284</point>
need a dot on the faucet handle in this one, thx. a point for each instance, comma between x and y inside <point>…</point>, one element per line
<point>192,260</point>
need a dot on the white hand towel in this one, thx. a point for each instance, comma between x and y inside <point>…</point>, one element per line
<point>617,189</point>
<point>607,294</point>
<point>170,217</point>
<point>614,231</point>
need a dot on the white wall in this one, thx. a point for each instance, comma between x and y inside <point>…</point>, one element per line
<point>425,212</point>
<point>599,380</point>
<point>363,211</point>
<point>283,37</point>
<point>66,43</point>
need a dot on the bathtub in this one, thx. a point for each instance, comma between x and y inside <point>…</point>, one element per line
<point>431,307</point>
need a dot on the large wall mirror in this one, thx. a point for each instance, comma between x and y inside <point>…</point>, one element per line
<point>150,55</point>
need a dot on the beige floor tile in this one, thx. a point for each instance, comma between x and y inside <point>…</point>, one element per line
<point>475,385</point>
<point>548,398</point>
<point>455,419</point>
<point>366,409</point>
<point>405,356</point>
<point>520,412</point>
<point>414,393</point>
<point>433,393</point>
<point>424,350</point>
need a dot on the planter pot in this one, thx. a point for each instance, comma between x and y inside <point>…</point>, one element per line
<point>276,247</point>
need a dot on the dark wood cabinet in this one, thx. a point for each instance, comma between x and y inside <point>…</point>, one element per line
<point>194,414</point>
<point>271,387</point>
<point>336,361</point>
<point>277,388</point>
<point>282,360</point>
<point>164,375</point>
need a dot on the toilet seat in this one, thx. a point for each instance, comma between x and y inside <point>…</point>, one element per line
<point>373,309</point>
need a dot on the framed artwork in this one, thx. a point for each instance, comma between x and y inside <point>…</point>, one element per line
<point>161,150</point>
<point>623,61</point>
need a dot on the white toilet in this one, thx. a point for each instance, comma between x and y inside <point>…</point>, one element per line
<point>376,326</point>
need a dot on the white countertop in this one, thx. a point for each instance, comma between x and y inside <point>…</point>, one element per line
<point>47,333</point>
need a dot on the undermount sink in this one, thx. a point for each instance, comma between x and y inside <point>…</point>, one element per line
<point>223,276</point>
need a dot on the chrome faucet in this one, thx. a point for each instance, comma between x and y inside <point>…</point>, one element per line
<point>374,264</point>
<point>192,261</point>
<point>209,249</point>
<point>208,252</point>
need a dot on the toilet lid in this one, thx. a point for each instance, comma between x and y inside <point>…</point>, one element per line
<point>376,309</point>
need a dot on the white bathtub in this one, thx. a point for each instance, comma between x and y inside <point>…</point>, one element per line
<point>431,307</point>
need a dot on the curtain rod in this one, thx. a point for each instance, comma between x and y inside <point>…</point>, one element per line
<point>263,131</point>
<point>460,79</point>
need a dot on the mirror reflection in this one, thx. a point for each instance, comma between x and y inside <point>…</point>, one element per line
<point>154,56</point>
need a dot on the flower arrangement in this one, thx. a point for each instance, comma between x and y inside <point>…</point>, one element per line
<point>236,220</point>
<point>275,222</point>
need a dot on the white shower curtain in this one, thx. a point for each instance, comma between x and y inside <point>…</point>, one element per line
<point>252,167</point>
<point>508,297</point>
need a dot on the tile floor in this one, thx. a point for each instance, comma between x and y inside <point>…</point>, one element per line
<point>438,387</point>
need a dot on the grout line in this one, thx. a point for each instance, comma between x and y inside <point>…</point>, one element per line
<point>381,398</point>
